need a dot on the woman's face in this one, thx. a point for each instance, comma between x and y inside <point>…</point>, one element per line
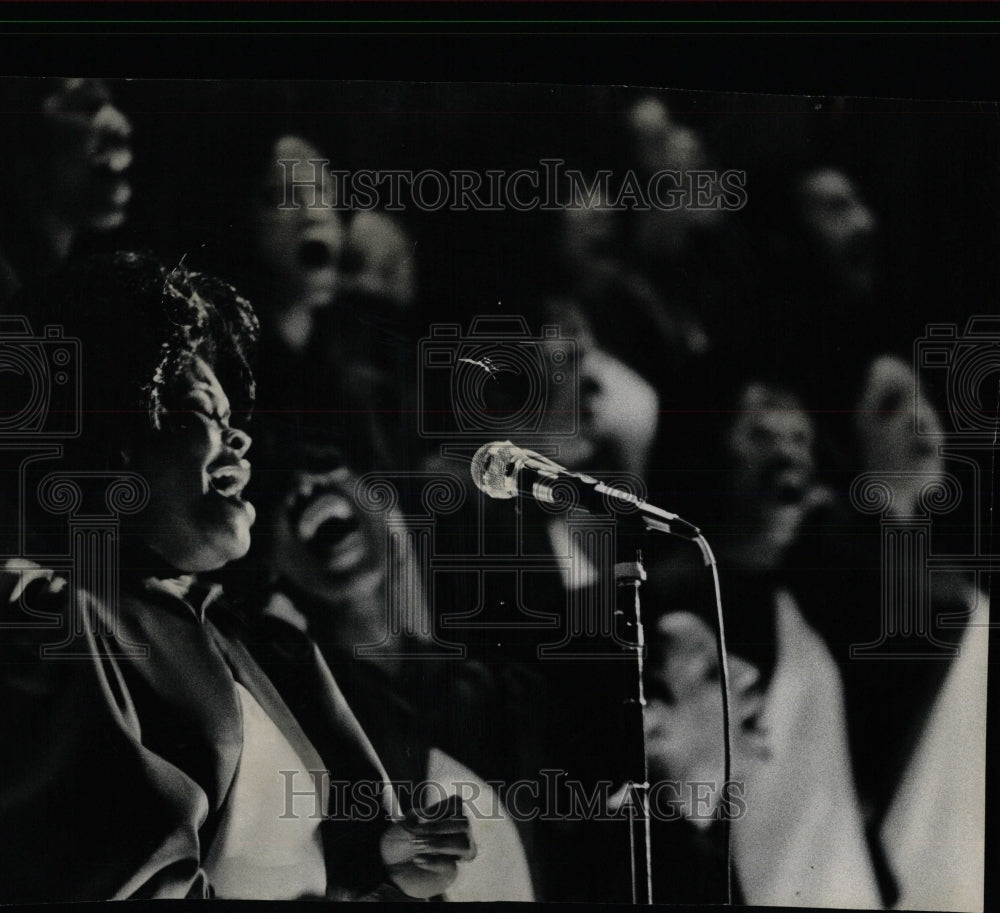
<point>618,410</point>
<point>897,428</point>
<point>324,541</point>
<point>770,449</point>
<point>299,235</point>
<point>840,226</point>
<point>197,469</point>
<point>83,178</point>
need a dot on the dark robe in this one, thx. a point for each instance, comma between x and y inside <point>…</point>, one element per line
<point>116,762</point>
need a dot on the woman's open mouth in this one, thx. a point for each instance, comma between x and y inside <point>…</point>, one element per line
<point>108,191</point>
<point>787,485</point>
<point>228,482</point>
<point>315,254</point>
<point>326,522</point>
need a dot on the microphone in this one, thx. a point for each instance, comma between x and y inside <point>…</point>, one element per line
<point>503,470</point>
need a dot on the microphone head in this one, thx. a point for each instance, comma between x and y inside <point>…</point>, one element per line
<point>490,469</point>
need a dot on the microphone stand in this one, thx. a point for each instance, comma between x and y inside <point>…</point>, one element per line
<point>496,470</point>
<point>629,576</point>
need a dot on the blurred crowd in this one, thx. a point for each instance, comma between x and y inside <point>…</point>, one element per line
<point>743,367</point>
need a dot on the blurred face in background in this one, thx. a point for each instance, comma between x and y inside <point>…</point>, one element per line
<point>77,179</point>
<point>299,236</point>
<point>618,409</point>
<point>660,141</point>
<point>662,144</point>
<point>770,453</point>
<point>840,226</point>
<point>890,413</point>
<point>324,541</point>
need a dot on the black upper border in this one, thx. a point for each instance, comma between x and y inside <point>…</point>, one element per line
<point>909,50</point>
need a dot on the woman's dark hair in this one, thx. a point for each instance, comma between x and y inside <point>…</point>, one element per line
<point>140,325</point>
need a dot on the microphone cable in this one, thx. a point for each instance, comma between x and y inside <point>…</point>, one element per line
<point>720,645</point>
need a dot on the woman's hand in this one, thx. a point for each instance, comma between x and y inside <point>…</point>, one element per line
<point>422,852</point>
